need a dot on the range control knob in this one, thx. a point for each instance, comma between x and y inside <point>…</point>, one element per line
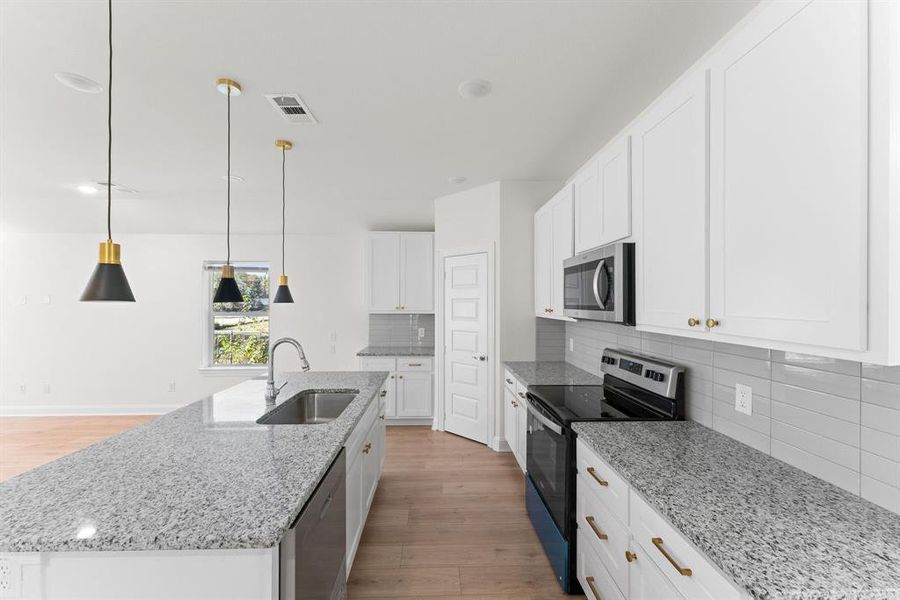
<point>658,377</point>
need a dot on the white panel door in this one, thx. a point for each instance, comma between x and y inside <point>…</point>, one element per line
<point>543,259</point>
<point>615,191</point>
<point>384,271</point>
<point>465,337</point>
<point>586,204</point>
<point>562,247</point>
<point>417,272</point>
<point>670,202</point>
<point>414,394</point>
<point>788,176</point>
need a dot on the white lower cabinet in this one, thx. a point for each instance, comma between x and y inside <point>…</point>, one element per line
<point>409,388</point>
<point>633,550</point>
<point>365,463</point>
<point>515,417</point>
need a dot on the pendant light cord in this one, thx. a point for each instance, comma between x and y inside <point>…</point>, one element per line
<point>109,133</point>
<point>228,180</point>
<point>283,209</point>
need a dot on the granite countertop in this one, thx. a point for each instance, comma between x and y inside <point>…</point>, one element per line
<point>551,373</point>
<point>777,531</point>
<point>396,351</point>
<point>204,476</point>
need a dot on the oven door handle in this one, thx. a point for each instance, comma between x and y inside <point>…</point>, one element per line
<point>544,420</point>
<point>596,287</point>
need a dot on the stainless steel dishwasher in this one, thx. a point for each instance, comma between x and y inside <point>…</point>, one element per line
<point>312,561</point>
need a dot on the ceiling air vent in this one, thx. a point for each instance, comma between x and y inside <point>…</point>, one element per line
<point>292,108</point>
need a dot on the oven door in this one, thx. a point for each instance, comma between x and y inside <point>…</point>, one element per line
<point>546,460</point>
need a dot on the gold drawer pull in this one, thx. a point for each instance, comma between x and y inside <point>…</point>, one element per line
<point>367,448</point>
<point>630,556</point>
<point>383,393</point>
<point>658,542</point>
<point>593,524</point>
<point>593,473</point>
<point>509,381</point>
<point>590,582</point>
<point>414,364</point>
<point>521,395</point>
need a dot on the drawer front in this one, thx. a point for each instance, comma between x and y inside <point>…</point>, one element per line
<point>521,390</point>
<point>606,483</point>
<point>358,436</point>
<point>372,363</point>
<point>415,363</point>
<point>682,564</point>
<point>593,576</point>
<point>608,536</point>
<point>509,381</point>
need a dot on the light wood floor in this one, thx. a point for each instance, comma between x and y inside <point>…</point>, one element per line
<point>29,442</point>
<point>448,519</point>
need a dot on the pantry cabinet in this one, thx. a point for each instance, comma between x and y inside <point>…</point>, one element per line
<point>602,197</point>
<point>409,389</point>
<point>400,272</point>
<point>553,243</point>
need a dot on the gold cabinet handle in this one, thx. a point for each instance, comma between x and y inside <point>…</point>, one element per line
<point>550,310</point>
<point>599,480</point>
<point>693,322</point>
<point>521,395</point>
<point>514,403</point>
<point>367,448</point>
<point>509,381</point>
<point>590,582</point>
<point>392,376</point>
<point>658,542</point>
<point>590,521</point>
<point>630,556</point>
<point>381,417</point>
<point>383,393</point>
<point>712,323</point>
<point>399,376</point>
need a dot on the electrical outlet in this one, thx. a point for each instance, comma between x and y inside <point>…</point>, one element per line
<point>334,336</point>
<point>45,300</point>
<point>23,388</point>
<point>46,388</point>
<point>171,386</point>
<point>421,332</point>
<point>333,349</point>
<point>743,399</point>
<point>23,300</point>
<point>571,344</point>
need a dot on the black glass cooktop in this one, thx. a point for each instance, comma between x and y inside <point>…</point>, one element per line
<point>592,403</point>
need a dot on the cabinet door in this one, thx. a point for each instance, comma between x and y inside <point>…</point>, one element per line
<point>670,201</point>
<point>354,518</point>
<point>788,176</point>
<point>586,206</point>
<point>414,394</point>
<point>371,464</point>
<point>510,421</point>
<point>390,398</point>
<point>615,191</point>
<point>384,271</point>
<point>543,259</point>
<point>522,433</point>
<point>562,247</point>
<point>417,272</point>
<point>646,581</point>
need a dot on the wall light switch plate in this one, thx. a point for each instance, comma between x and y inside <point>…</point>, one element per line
<point>743,399</point>
<point>334,336</point>
<point>171,386</point>
<point>421,332</point>
<point>46,388</point>
<point>571,344</point>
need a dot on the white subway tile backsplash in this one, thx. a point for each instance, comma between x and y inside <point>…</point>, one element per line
<point>837,419</point>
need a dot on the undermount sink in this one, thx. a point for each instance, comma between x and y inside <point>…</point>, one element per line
<point>309,408</point>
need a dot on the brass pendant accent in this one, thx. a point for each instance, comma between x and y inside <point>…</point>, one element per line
<point>282,280</point>
<point>283,144</point>
<point>227,272</point>
<point>228,86</point>
<point>110,253</point>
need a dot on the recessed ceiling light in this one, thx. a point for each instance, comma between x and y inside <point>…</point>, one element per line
<point>457,179</point>
<point>474,88</point>
<point>87,189</point>
<point>233,178</point>
<point>78,82</point>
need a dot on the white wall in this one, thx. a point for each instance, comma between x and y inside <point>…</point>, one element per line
<point>501,215</point>
<point>122,357</point>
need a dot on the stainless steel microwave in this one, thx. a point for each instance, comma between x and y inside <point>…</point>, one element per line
<point>599,285</point>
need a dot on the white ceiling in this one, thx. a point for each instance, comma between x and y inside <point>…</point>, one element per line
<point>381,78</point>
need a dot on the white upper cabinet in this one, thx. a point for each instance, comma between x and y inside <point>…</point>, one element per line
<point>670,149</point>
<point>417,272</point>
<point>602,197</point>
<point>400,271</point>
<point>788,176</point>
<point>552,245</point>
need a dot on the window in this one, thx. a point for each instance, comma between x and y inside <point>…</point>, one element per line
<point>238,332</point>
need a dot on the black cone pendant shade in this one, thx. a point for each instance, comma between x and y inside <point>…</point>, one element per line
<point>283,294</point>
<point>108,282</point>
<point>228,290</point>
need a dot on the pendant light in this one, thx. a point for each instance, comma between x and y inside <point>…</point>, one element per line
<point>108,281</point>
<point>283,294</point>
<point>228,288</point>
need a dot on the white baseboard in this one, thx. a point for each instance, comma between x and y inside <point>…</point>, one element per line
<point>498,444</point>
<point>409,421</point>
<point>50,410</point>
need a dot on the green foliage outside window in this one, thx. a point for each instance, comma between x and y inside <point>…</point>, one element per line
<point>241,329</point>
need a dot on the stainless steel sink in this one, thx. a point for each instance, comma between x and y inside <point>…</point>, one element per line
<point>309,408</point>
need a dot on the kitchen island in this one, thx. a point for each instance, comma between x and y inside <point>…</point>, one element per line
<point>201,496</point>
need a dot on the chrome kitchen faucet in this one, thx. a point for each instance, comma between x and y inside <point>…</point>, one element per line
<point>271,390</point>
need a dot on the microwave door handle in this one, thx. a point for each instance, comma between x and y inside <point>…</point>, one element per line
<point>544,420</point>
<point>596,287</point>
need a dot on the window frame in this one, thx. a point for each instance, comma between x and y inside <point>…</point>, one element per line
<point>208,316</point>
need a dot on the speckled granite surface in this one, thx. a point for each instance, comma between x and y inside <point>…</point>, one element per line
<point>396,351</point>
<point>204,476</point>
<point>776,530</point>
<point>551,373</point>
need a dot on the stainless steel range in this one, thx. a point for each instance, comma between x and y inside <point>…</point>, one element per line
<point>635,388</point>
